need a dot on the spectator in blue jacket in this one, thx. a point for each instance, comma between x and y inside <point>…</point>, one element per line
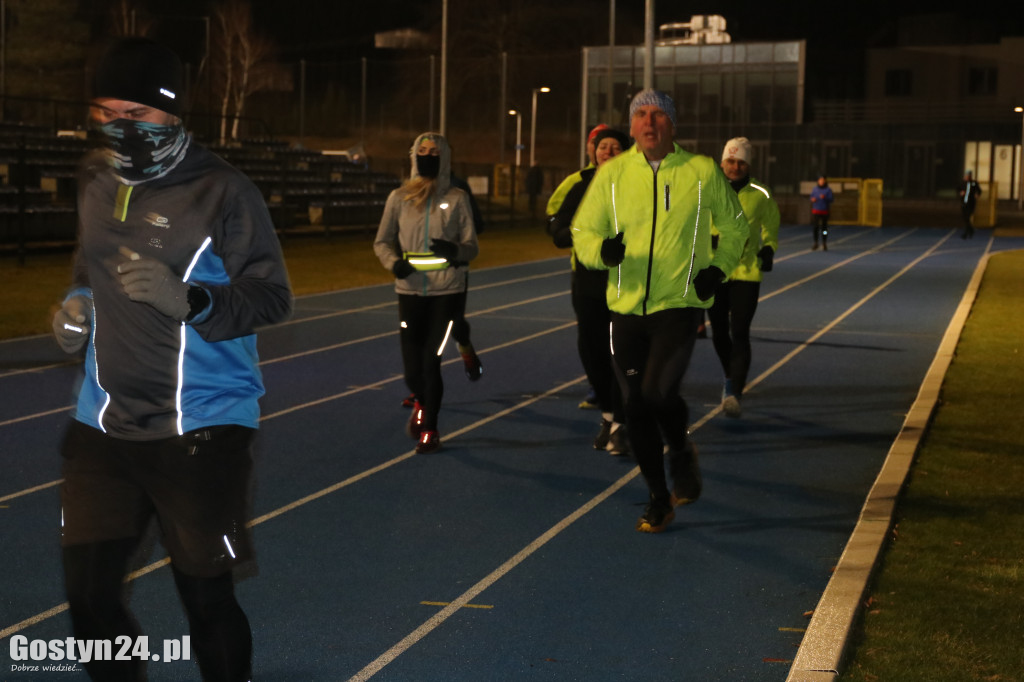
<point>821,202</point>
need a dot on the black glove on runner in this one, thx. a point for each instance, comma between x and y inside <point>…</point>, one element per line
<point>706,281</point>
<point>402,268</point>
<point>766,254</point>
<point>445,249</point>
<point>613,250</point>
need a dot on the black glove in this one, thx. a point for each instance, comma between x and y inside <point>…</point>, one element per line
<point>71,323</point>
<point>561,234</point>
<point>766,254</point>
<point>402,268</point>
<point>613,250</point>
<point>705,282</point>
<point>149,281</point>
<point>445,249</point>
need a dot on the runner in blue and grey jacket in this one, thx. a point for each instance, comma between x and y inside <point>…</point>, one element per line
<point>177,265</point>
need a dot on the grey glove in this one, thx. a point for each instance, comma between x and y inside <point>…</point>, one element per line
<point>72,322</point>
<point>150,281</point>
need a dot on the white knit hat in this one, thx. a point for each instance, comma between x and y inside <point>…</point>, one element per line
<point>737,148</point>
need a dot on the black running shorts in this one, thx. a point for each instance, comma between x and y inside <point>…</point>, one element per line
<point>196,485</point>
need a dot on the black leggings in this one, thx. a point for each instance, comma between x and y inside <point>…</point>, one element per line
<point>593,324</point>
<point>94,579</point>
<point>820,226</point>
<point>651,354</point>
<point>967,211</point>
<point>460,329</point>
<point>426,323</point>
<point>731,317</point>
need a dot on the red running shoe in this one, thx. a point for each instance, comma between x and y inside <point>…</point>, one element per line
<point>474,368</point>
<point>429,442</point>
<point>414,427</point>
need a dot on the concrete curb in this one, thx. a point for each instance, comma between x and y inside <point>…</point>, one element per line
<point>825,644</point>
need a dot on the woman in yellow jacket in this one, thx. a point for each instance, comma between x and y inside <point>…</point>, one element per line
<point>736,300</point>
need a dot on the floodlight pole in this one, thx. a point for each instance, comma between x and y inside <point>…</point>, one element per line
<point>444,68</point>
<point>649,45</point>
<point>533,125</point>
<point>1020,162</point>
<point>515,171</point>
<point>611,56</point>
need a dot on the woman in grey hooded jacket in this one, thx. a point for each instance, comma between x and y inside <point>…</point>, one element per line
<point>426,238</point>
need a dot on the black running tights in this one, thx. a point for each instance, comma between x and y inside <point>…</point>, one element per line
<point>651,354</point>
<point>731,317</point>
<point>94,579</point>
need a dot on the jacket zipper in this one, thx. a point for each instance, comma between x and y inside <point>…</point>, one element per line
<point>650,254</point>
<point>426,238</point>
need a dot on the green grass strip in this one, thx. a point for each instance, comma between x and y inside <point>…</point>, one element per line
<point>948,600</point>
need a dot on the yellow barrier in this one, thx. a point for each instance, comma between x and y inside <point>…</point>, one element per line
<point>856,201</point>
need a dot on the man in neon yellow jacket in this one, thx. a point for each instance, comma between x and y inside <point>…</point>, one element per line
<point>647,218</point>
<point>736,300</point>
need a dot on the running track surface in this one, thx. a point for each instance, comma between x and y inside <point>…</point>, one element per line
<point>511,553</point>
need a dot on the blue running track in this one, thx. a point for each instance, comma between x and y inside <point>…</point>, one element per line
<point>511,554</point>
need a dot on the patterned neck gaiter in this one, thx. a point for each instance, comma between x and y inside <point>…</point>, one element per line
<point>141,151</point>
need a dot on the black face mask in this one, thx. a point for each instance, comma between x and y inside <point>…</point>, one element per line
<point>427,165</point>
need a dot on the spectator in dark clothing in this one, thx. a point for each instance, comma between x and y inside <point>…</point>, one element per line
<point>969,193</point>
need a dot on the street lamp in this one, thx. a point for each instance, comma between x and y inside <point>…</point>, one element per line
<point>1020,162</point>
<point>519,148</point>
<point>533,123</point>
<point>519,132</point>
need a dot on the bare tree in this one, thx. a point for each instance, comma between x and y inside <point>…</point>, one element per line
<point>244,63</point>
<point>127,20</point>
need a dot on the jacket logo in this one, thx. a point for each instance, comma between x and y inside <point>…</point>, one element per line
<point>157,220</point>
<point>156,243</point>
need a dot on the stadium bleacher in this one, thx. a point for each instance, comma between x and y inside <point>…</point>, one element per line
<point>304,189</point>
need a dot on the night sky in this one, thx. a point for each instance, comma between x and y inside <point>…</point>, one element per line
<point>836,32</point>
<point>305,25</point>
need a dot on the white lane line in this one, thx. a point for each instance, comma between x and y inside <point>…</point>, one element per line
<point>849,311</point>
<point>336,396</point>
<point>291,506</point>
<point>873,250</point>
<point>38,368</point>
<point>29,491</point>
<point>392,303</point>
<point>401,458</point>
<point>343,344</point>
<point>384,382</point>
<point>393,332</point>
<point>473,592</point>
<point>827,639</point>
<point>37,415</point>
<point>440,617</point>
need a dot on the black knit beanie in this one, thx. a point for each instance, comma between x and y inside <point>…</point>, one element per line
<point>622,138</point>
<point>143,71</point>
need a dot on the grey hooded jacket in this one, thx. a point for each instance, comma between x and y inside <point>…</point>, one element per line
<point>406,228</point>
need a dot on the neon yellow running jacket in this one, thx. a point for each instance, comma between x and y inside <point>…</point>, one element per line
<point>666,217</point>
